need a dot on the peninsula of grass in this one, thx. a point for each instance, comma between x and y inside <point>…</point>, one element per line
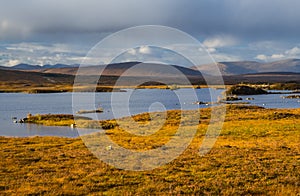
<point>257,153</point>
<point>62,88</point>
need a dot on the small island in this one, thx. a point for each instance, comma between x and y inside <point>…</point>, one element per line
<point>232,98</point>
<point>98,110</point>
<point>245,90</point>
<point>52,119</point>
<point>292,97</point>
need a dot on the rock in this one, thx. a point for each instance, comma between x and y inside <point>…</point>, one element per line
<point>73,125</point>
<point>108,148</point>
<point>23,120</point>
<point>199,103</point>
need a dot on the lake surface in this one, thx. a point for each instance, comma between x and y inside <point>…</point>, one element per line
<point>115,105</point>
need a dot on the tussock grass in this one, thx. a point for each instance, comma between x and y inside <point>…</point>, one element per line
<point>55,119</point>
<point>257,153</point>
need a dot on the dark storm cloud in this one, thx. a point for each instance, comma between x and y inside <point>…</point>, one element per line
<point>249,19</point>
<point>52,17</point>
<point>230,29</point>
<point>245,18</point>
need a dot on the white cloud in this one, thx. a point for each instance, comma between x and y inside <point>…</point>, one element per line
<point>277,56</point>
<point>145,50</point>
<point>211,50</point>
<point>219,42</point>
<point>131,51</point>
<point>264,57</point>
<point>290,53</point>
<point>40,53</point>
<point>294,52</point>
<point>261,57</point>
<point>12,62</point>
<point>40,47</point>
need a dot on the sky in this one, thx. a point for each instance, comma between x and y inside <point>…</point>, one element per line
<point>54,31</point>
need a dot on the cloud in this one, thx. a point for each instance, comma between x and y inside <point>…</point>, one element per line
<point>157,54</point>
<point>277,56</point>
<point>145,50</point>
<point>40,53</point>
<point>290,53</point>
<point>53,19</point>
<point>220,41</point>
<point>294,52</point>
<point>42,47</point>
<point>262,57</point>
<point>131,51</point>
<point>12,29</point>
<point>54,27</point>
<point>212,44</point>
<point>12,62</point>
<point>273,57</point>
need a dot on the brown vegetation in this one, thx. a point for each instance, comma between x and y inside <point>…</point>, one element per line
<point>245,90</point>
<point>257,153</point>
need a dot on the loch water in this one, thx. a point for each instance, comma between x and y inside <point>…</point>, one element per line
<point>115,105</point>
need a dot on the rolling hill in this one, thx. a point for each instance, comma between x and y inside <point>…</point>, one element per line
<point>127,69</point>
<point>247,67</point>
<point>226,68</point>
<point>234,72</point>
<point>90,74</point>
<point>265,77</point>
<point>22,77</point>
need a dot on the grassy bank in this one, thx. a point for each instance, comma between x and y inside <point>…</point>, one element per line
<point>61,88</point>
<point>55,88</point>
<point>258,152</point>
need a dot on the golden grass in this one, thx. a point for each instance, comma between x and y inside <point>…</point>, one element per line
<point>24,87</point>
<point>34,88</point>
<point>258,152</point>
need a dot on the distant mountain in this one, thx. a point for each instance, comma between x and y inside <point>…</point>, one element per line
<point>127,69</point>
<point>28,77</point>
<point>34,78</point>
<point>57,66</point>
<point>24,66</point>
<point>27,67</point>
<point>246,67</point>
<point>288,65</point>
<point>265,77</point>
<point>161,70</point>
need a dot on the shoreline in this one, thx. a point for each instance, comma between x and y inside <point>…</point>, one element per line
<point>99,88</point>
<point>66,120</point>
<point>34,89</point>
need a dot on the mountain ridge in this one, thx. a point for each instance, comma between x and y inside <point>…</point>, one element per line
<point>116,69</point>
<point>25,66</point>
<point>36,78</point>
<point>248,67</point>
